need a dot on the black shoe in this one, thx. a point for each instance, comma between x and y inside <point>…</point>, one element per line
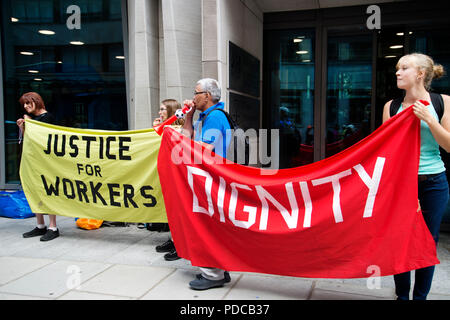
<point>226,276</point>
<point>201,283</point>
<point>160,227</point>
<point>50,235</point>
<point>167,246</point>
<point>171,256</point>
<point>35,232</point>
<point>165,228</point>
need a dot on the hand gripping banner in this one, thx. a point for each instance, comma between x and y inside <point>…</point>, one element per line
<point>95,174</point>
<point>342,217</point>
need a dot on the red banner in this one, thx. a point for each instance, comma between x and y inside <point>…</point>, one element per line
<point>346,216</point>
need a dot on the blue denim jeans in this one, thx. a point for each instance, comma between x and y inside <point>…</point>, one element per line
<point>433,196</point>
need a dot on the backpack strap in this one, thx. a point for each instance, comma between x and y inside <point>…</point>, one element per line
<point>230,120</point>
<point>395,105</point>
<point>438,104</point>
<point>436,100</point>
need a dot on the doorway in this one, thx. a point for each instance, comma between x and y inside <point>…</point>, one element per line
<point>318,90</point>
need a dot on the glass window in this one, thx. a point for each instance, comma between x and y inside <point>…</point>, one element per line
<point>395,42</point>
<point>391,46</point>
<point>79,73</point>
<point>290,62</point>
<point>434,43</point>
<point>349,87</point>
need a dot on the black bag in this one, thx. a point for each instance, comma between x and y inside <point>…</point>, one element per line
<point>238,142</point>
<point>436,100</point>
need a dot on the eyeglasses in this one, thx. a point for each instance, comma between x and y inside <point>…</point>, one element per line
<point>200,92</point>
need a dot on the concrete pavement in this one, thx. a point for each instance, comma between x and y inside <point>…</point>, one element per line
<point>120,263</point>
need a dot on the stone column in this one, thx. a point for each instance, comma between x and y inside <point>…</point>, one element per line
<point>182,43</point>
<point>211,42</point>
<point>143,34</point>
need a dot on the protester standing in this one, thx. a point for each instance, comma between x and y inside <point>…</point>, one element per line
<point>414,75</point>
<point>210,130</point>
<point>166,110</point>
<point>34,106</point>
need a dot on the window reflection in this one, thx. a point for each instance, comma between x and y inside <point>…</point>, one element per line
<point>435,44</point>
<point>76,71</point>
<point>291,61</point>
<point>348,91</point>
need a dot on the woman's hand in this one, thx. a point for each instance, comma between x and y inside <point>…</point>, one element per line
<point>421,111</point>
<point>20,122</point>
<point>156,122</point>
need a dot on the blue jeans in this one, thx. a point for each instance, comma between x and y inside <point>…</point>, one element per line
<point>433,196</point>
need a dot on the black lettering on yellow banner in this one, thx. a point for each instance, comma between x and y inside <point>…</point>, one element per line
<point>95,174</point>
<point>56,144</point>
<point>118,194</point>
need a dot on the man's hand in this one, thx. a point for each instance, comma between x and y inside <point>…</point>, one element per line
<point>191,104</point>
<point>187,130</point>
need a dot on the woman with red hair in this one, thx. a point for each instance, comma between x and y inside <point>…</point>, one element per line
<point>34,107</point>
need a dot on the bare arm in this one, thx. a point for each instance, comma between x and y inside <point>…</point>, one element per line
<point>386,111</point>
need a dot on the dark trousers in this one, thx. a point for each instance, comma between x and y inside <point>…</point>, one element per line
<point>433,196</point>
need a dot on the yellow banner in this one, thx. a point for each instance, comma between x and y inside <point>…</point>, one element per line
<point>96,174</point>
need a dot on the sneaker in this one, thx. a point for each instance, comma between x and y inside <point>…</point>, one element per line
<point>171,256</point>
<point>226,276</point>
<point>50,235</point>
<point>167,246</point>
<point>201,283</point>
<point>35,232</point>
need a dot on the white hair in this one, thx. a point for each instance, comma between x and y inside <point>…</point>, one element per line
<point>212,86</point>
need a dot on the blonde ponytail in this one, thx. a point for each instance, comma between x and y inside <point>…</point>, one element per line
<point>438,71</point>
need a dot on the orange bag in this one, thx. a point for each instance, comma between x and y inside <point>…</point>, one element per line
<point>89,224</point>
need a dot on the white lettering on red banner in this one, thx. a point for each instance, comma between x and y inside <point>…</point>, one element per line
<point>290,215</point>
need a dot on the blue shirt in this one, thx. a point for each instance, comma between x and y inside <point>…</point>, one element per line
<point>430,157</point>
<point>214,129</point>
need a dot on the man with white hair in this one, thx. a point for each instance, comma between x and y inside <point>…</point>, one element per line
<point>209,130</point>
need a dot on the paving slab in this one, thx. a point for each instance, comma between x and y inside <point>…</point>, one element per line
<point>176,287</point>
<point>12,268</point>
<point>55,279</point>
<point>127,280</point>
<point>263,287</point>
<point>121,263</point>
<point>319,294</point>
<point>82,295</point>
<point>372,289</point>
<point>9,296</point>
